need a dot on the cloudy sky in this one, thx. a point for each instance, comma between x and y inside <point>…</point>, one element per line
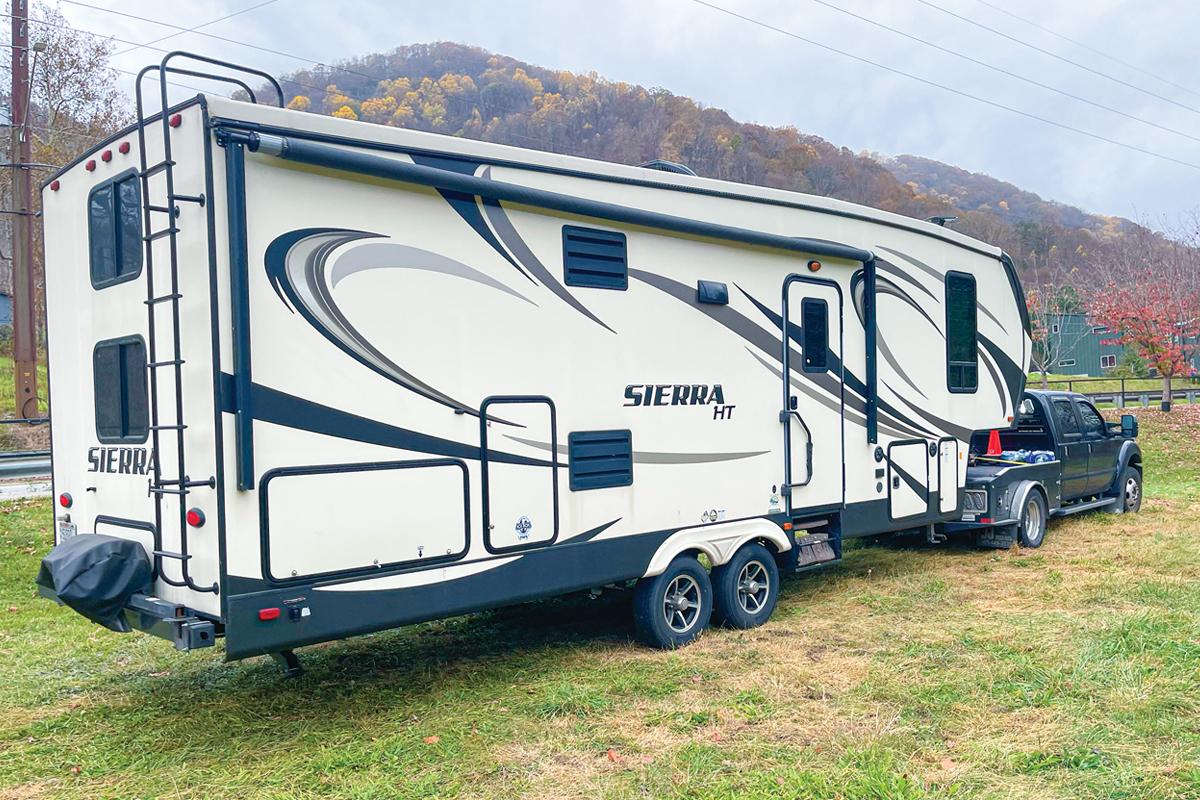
<point>1141,65</point>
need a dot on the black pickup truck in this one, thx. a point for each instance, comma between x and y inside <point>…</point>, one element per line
<point>1094,465</point>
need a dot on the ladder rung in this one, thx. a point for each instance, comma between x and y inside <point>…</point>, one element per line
<point>210,483</point>
<point>163,299</point>
<point>163,209</point>
<point>187,198</point>
<point>167,428</point>
<point>160,234</point>
<point>169,554</point>
<point>177,361</point>
<point>157,168</point>
<point>160,490</point>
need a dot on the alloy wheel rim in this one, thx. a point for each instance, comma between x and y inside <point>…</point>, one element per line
<point>681,603</point>
<point>753,587</point>
<point>1033,520</point>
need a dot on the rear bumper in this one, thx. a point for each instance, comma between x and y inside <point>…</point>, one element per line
<point>169,621</point>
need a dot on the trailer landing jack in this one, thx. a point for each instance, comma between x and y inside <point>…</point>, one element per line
<point>291,665</point>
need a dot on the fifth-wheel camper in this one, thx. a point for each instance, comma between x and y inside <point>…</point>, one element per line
<point>314,377</point>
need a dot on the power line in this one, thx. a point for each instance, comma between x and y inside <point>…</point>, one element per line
<point>1087,47</point>
<point>1064,59</point>
<point>943,87</point>
<point>1003,71</point>
<point>190,30</point>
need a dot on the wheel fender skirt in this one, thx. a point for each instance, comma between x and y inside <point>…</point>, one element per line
<point>1019,496</point>
<point>96,575</point>
<point>718,542</point>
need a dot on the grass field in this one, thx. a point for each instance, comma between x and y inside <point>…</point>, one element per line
<point>1067,672</point>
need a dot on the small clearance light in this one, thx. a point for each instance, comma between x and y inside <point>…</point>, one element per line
<point>985,519</point>
<point>787,526</point>
<point>54,186</point>
<point>176,120</point>
<point>1010,419</point>
<point>268,614</point>
<point>195,518</point>
<point>106,156</point>
<point>813,266</point>
<point>124,148</point>
<point>65,500</point>
<point>90,165</point>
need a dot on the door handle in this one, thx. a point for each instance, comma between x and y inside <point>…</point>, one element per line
<point>895,481</point>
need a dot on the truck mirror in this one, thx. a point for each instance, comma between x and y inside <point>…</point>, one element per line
<point>1129,426</point>
<point>1026,408</point>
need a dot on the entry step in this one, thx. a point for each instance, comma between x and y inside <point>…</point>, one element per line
<point>813,549</point>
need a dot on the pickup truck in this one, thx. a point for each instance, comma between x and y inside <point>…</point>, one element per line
<point>1096,465</point>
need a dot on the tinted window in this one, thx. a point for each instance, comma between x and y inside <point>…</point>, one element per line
<point>815,322</point>
<point>1093,423</point>
<point>122,406</point>
<point>962,359</point>
<point>115,231</point>
<point>1064,415</point>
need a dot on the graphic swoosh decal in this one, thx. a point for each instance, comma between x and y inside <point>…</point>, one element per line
<point>940,278</point>
<point>644,457</point>
<point>390,255</point>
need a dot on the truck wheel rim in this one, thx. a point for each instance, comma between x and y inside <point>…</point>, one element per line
<point>753,587</point>
<point>681,603</point>
<point>1132,492</point>
<point>1033,520</point>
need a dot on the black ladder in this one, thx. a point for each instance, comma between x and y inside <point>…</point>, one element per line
<point>161,221</point>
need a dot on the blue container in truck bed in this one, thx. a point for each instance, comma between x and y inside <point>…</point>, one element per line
<point>1096,465</point>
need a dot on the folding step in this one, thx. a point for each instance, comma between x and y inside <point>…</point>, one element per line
<point>813,549</point>
<point>1077,508</point>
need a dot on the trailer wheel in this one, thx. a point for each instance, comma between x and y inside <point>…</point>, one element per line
<point>671,609</point>
<point>1031,529</point>
<point>745,588</point>
<point>1131,490</point>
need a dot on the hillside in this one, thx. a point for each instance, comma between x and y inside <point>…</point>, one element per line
<point>466,91</point>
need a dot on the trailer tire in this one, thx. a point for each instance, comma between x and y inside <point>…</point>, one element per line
<point>745,588</point>
<point>670,610</point>
<point>1129,490</point>
<point>1031,527</point>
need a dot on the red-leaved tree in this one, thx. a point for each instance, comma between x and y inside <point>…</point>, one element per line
<point>1149,297</point>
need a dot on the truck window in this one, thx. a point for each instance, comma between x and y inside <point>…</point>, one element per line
<point>1093,423</point>
<point>962,354</point>
<point>115,230</point>
<point>122,404</point>
<point>814,317</point>
<point>1064,415</point>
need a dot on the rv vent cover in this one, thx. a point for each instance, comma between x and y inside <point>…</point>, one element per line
<point>667,166</point>
<point>594,258</point>
<point>599,459</point>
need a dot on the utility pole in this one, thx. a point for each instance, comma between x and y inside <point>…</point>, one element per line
<point>24,331</point>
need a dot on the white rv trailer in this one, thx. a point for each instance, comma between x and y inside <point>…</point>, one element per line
<point>334,377</point>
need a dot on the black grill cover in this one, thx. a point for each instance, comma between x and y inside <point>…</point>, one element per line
<point>96,575</point>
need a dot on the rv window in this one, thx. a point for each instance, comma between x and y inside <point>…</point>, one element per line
<point>115,231</point>
<point>814,318</point>
<point>962,357</point>
<point>599,459</point>
<point>119,375</point>
<point>594,258</point>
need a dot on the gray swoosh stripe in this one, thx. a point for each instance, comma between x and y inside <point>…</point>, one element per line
<point>643,457</point>
<point>887,266</point>
<point>389,255</point>
<point>886,352</point>
<point>940,277</point>
<point>987,362</point>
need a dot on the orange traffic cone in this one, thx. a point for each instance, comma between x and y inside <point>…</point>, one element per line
<point>994,444</point>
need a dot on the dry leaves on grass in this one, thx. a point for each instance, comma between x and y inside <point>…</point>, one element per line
<point>431,739</point>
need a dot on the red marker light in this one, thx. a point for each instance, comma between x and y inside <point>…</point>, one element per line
<point>90,165</point>
<point>985,519</point>
<point>124,148</point>
<point>65,500</point>
<point>54,186</point>
<point>268,614</point>
<point>195,517</point>
<point>106,156</point>
<point>176,120</point>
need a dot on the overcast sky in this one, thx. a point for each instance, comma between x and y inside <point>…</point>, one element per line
<point>766,76</point>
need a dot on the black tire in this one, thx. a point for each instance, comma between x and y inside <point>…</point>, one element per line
<point>746,588</point>
<point>1129,490</point>
<point>658,615</point>
<point>1031,527</point>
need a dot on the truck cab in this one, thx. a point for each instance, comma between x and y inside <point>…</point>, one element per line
<point>1081,463</point>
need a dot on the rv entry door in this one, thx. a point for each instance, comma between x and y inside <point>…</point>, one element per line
<point>813,393</point>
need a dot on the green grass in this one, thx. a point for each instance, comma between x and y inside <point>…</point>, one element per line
<point>1072,671</point>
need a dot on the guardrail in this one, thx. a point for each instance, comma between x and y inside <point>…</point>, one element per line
<point>24,465</point>
<point>1122,396</point>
